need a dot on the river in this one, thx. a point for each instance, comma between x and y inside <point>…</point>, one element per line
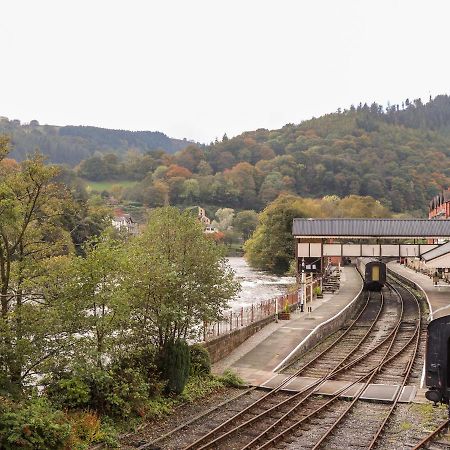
<point>255,285</point>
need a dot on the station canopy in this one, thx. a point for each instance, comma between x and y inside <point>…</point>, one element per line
<point>438,257</point>
<point>355,237</point>
<point>372,228</point>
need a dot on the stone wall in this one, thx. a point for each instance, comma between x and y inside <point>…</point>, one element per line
<point>222,346</point>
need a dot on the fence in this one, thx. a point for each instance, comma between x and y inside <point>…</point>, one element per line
<point>245,316</point>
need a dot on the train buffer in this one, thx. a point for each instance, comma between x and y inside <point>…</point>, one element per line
<point>384,393</point>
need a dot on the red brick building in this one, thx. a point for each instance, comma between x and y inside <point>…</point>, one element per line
<point>440,206</point>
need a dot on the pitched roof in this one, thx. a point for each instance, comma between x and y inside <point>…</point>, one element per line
<point>436,252</point>
<point>440,199</point>
<point>395,228</point>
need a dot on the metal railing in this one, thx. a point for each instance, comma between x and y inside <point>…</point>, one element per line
<point>245,316</point>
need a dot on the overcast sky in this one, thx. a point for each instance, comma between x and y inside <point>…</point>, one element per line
<point>200,68</point>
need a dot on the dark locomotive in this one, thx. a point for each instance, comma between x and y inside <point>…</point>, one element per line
<point>373,272</point>
<point>437,360</point>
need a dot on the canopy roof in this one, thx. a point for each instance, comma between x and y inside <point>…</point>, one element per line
<point>371,228</point>
<point>436,252</point>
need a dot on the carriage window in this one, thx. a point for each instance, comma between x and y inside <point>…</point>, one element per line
<point>375,273</point>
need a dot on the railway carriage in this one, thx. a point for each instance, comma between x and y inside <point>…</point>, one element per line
<point>437,360</point>
<point>373,272</point>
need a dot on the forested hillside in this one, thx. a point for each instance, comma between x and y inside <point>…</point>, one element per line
<point>71,144</point>
<point>399,155</point>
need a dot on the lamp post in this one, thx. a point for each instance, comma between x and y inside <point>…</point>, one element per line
<point>302,285</point>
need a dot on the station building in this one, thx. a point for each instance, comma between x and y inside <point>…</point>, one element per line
<point>437,261</point>
<point>439,207</point>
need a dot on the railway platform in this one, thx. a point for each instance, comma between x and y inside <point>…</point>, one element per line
<point>257,359</point>
<point>438,297</point>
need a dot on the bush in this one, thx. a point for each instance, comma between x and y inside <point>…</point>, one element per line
<point>71,392</point>
<point>33,425</point>
<point>117,392</point>
<point>174,364</point>
<point>87,429</point>
<point>200,386</point>
<point>200,360</point>
<point>230,379</point>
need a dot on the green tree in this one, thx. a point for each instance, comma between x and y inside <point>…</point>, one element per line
<point>31,205</point>
<point>176,279</point>
<point>271,245</point>
<point>94,285</point>
<point>245,223</point>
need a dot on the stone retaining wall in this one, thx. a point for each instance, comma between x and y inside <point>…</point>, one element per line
<point>223,345</point>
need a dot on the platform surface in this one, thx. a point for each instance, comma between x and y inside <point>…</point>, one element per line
<point>438,296</point>
<point>266,355</point>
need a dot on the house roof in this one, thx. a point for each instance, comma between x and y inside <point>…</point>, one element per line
<point>394,228</point>
<point>436,252</point>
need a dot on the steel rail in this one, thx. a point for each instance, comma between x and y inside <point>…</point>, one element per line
<point>147,445</point>
<point>386,360</point>
<point>370,374</point>
<point>406,374</point>
<point>432,435</point>
<point>279,386</point>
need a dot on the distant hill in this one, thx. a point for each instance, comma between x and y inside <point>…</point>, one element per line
<point>72,144</point>
<point>399,155</point>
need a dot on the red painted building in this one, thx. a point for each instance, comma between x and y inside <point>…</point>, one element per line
<point>440,206</point>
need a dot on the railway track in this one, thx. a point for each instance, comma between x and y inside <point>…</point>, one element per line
<point>379,346</point>
<point>432,438</point>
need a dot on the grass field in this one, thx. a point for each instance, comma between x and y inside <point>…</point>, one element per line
<point>101,186</point>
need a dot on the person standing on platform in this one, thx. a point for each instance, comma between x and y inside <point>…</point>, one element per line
<point>435,278</point>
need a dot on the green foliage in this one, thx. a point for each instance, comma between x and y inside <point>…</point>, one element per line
<point>174,364</point>
<point>118,392</point>
<point>246,222</point>
<point>200,360</point>
<point>34,425</point>
<point>176,278</point>
<point>271,245</point>
<point>71,392</point>
<point>230,379</point>
<point>200,386</point>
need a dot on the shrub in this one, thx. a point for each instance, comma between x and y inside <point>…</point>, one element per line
<point>117,392</point>
<point>87,429</point>
<point>71,392</point>
<point>200,360</point>
<point>174,363</point>
<point>230,379</point>
<point>34,425</point>
<point>200,386</point>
